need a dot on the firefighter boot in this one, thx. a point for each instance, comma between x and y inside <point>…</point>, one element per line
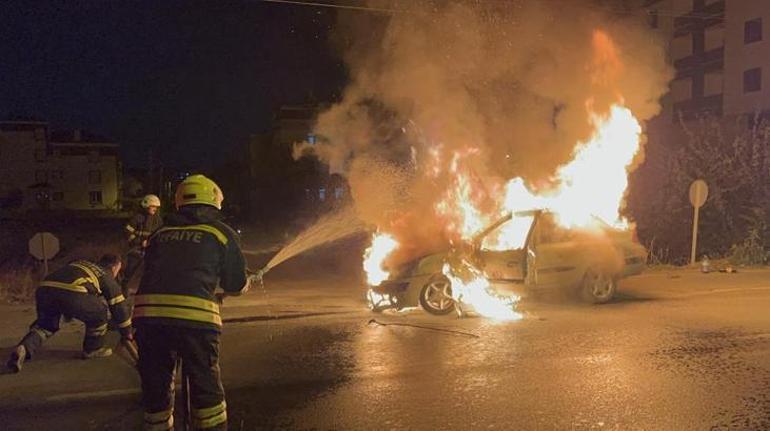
<point>102,352</point>
<point>18,356</point>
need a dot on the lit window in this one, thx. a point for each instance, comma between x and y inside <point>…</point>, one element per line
<point>752,31</point>
<point>339,192</point>
<point>311,139</point>
<point>95,197</point>
<point>752,80</point>
<point>322,194</point>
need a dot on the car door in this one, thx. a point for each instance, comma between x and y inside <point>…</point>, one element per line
<point>502,253</point>
<point>556,250</point>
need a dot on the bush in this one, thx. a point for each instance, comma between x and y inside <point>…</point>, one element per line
<point>18,286</point>
<point>733,159</point>
<point>750,252</point>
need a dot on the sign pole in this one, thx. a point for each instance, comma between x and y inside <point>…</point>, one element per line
<point>699,192</point>
<point>45,256</point>
<point>694,235</point>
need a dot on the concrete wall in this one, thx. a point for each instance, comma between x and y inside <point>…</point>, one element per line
<point>740,56</point>
<point>78,179</point>
<point>22,154</point>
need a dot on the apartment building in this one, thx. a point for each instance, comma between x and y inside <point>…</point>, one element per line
<point>720,52</point>
<point>69,170</point>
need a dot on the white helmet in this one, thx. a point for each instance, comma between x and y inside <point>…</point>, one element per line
<point>150,201</point>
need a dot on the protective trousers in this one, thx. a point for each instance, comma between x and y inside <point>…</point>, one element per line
<point>54,303</point>
<point>159,347</point>
<point>134,260</point>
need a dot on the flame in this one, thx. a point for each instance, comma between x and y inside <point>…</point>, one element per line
<point>374,256</point>
<point>478,293</point>
<point>594,182</point>
<point>591,185</point>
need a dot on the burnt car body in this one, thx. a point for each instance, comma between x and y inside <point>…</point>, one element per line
<point>589,262</point>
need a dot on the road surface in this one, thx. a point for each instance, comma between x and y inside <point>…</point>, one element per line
<point>678,350</point>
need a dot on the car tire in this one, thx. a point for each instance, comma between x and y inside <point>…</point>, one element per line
<point>598,287</point>
<point>436,296</point>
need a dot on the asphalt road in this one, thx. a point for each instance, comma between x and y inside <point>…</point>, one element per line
<point>677,351</point>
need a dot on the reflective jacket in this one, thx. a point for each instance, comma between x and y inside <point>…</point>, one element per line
<point>185,261</point>
<point>141,226</point>
<point>88,278</point>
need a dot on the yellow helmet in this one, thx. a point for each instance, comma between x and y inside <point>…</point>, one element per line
<point>150,201</point>
<point>198,189</point>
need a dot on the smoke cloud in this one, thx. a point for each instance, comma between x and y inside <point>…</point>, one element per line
<point>502,88</point>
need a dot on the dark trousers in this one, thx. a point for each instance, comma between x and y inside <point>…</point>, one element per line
<point>159,347</point>
<point>134,260</point>
<point>53,303</point>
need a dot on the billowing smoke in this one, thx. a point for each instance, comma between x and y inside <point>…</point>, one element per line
<point>503,88</point>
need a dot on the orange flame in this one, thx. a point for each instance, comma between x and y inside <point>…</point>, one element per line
<point>591,185</point>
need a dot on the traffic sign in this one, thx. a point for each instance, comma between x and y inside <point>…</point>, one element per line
<point>699,192</point>
<point>44,246</point>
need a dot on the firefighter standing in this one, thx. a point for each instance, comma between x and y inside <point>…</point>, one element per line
<point>175,309</point>
<point>78,290</point>
<point>139,229</point>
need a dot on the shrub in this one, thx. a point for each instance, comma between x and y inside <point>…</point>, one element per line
<point>733,157</point>
<point>18,285</point>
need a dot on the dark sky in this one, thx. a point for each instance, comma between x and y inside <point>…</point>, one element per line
<point>191,78</point>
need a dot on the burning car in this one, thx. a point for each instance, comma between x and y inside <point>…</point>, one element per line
<point>587,260</point>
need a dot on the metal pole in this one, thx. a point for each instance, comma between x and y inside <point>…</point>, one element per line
<point>45,257</point>
<point>694,235</point>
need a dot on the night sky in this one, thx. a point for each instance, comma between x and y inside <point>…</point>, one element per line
<point>190,78</point>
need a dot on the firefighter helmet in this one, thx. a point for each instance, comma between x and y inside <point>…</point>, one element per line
<point>198,189</point>
<point>150,201</point>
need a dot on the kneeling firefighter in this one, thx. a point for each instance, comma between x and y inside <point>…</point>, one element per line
<point>176,312</point>
<point>82,290</point>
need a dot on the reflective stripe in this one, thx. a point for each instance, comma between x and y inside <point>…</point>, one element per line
<point>200,227</point>
<point>66,286</point>
<point>161,421</point>
<point>125,324</point>
<point>94,279</point>
<point>99,330</point>
<point>210,422</point>
<point>177,313</point>
<point>176,300</point>
<point>130,228</point>
<point>43,333</point>
<point>117,300</point>
<point>209,411</point>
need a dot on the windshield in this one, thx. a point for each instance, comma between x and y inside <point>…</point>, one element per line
<point>510,235</point>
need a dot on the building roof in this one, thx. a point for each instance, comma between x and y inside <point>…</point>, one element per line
<point>21,125</point>
<point>78,138</point>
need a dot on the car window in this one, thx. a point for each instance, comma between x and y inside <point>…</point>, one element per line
<point>511,235</point>
<point>550,232</point>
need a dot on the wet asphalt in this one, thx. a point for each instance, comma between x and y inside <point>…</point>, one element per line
<point>679,351</point>
<point>684,362</point>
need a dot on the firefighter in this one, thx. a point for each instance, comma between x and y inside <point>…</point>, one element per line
<point>139,229</point>
<point>82,290</point>
<point>175,308</point>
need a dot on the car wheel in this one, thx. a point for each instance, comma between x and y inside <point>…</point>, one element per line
<point>436,296</point>
<point>598,287</point>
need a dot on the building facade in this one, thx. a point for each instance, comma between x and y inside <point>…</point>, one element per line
<point>720,53</point>
<point>58,171</point>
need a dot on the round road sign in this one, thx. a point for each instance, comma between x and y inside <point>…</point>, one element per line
<point>699,192</point>
<point>44,245</point>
